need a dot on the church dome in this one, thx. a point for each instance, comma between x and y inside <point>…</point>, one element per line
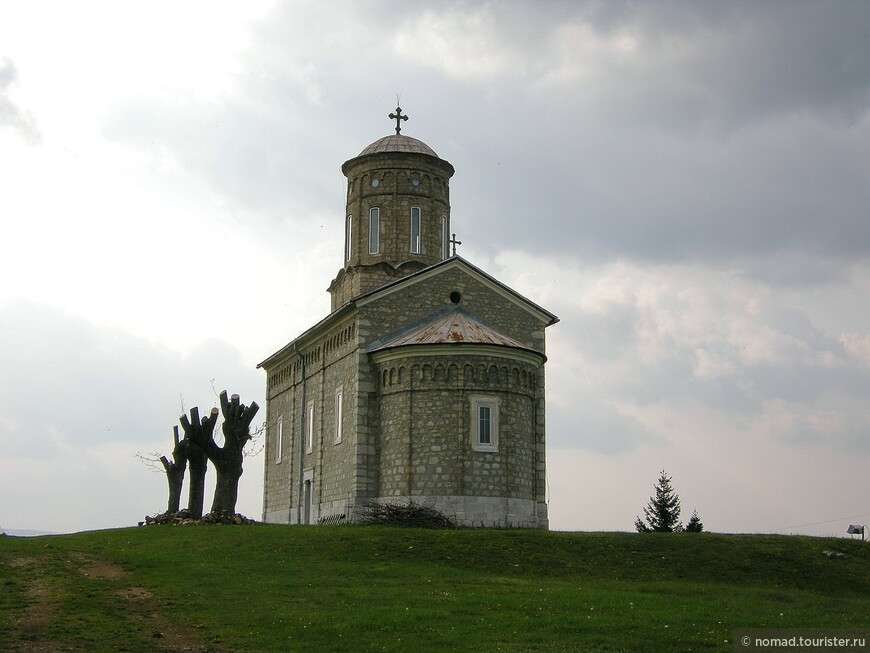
<point>398,143</point>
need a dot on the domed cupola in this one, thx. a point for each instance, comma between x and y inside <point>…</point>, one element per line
<point>397,218</point>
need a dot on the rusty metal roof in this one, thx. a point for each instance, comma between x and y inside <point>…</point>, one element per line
<point>457,326</point>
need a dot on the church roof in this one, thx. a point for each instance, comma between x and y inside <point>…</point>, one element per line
<point>457,261</point>
<point>398,143</point>
<point>456,326</point>
<point>478,335</point>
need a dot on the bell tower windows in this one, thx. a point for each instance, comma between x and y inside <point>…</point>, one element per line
<point>374,229</point>
<point>445,238</point>
<point>396,217</point>
<point>415,230</point>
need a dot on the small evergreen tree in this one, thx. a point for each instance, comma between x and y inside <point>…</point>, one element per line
<point>694,525</point>
<point>663,510</point>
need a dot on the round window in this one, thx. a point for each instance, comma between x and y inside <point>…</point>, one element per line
<point>455,297</point>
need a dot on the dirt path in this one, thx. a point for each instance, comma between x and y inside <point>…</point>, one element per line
<point>39,620</point>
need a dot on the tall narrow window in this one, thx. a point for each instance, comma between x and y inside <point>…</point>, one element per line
<point>348,238</point>
<point>279,438</point>
<point>415,230</point>
<point>339,400</point>
<point>309,428</point>
<point>374,229</point>
<point>445,238</point>
<point>484,423</point>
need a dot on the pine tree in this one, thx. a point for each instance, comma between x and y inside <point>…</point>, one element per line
<point>694,525</point>
<point>663,510</point>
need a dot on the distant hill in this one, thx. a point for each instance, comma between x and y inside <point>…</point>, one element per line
<point>23,532</point>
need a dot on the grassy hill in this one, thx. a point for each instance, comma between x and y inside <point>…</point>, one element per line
<point>277,588</point>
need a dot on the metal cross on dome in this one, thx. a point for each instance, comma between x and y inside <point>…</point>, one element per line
<point>398,117</point>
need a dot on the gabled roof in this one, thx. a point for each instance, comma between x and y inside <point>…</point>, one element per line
<point>458,262</point>
<point>452,327</point>
<point>509,293</point>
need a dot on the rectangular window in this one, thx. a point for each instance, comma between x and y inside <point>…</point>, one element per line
<point>309,428</point>
<point>339,400</point>
<point>348,238</point>
<point>484,423</point>
<point>445,238</point>
<point>374,229</point>
<point>279,438</point>
<point>415,230</point>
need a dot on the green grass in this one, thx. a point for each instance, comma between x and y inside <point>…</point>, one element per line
<point>278,588</point>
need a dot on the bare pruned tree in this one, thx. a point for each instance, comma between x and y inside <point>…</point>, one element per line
<point>197,436</point>
<point>175,472</point>
<point>227,460</point>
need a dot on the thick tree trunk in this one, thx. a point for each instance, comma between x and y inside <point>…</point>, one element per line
<point>175,473</point>
<point>226,490</point>
<point>197,436</point>
<point>196,491</point>
<point>227,460</point>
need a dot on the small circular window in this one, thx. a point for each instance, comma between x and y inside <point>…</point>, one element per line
<point>375,183</point>
<point>455,297</point>
<point>415,182</point>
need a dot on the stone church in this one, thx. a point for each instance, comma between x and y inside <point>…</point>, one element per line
<point>426,380</point>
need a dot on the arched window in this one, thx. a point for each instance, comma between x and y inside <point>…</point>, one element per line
<point>415,230</point>
<point>374,229</point>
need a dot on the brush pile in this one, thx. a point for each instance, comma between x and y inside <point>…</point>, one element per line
<point>410,514</point>
<point>184,518</point>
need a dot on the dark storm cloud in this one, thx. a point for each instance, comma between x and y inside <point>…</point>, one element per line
<point>657,131</point>
<point>68,383</point>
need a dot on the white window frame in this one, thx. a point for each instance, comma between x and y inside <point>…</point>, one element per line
<point>279,438</point>
<point>339,414</point>
<point>309,427</point>
<point>416,220</point>
<point>348,238</point>
<point>374,230</point>
<point>492,404</point>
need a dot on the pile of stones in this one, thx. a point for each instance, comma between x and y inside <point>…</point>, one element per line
<point>409,513</point>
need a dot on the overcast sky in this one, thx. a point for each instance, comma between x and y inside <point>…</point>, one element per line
<point>686,185</point>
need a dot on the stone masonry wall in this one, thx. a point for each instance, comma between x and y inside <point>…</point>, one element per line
<point>330,364</point>
<point>426,431</point>
<point>425,296</point>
